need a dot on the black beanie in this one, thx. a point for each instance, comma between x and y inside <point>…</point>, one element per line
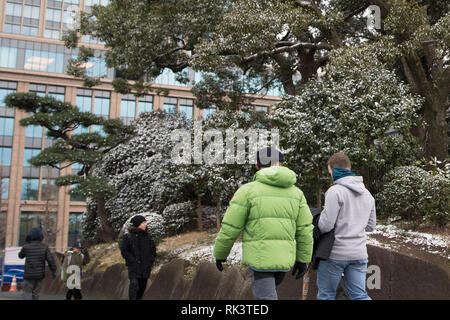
<point>137,220</point>
<point>268,156</point>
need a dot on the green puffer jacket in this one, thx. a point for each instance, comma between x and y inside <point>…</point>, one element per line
<point>275,220</point>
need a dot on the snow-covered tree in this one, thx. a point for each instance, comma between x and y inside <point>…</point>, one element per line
<point>275,42</point>
<point>61,119</point>
<point>351,109</point>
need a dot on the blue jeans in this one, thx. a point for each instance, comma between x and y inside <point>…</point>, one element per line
<point>329,275</point>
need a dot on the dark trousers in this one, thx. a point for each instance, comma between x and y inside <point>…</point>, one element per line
<point>137,288</point>
<point>31,289</point>
<point>266,284</point>
<point>76,293</point>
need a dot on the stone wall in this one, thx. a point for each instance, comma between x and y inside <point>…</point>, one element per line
<point>402,277</point>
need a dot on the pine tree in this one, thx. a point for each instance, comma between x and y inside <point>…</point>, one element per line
<point>61,119</point>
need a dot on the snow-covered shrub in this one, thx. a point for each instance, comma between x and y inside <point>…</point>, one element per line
<point>415,195</point>
<point>437,206</point>
<point>155,225</point>
<point>177,215</point>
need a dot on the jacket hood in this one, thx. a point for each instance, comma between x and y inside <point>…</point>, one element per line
<point>354,183</point>
<point>276,176</point>
<point>35,234</point>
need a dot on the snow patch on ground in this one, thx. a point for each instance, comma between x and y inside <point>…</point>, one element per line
<point>430,243</point>
<point>205,253</point>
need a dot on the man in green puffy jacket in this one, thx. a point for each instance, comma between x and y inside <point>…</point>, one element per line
<point>276,223</point>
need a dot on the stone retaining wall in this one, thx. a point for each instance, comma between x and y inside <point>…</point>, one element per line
<point>402,277</point>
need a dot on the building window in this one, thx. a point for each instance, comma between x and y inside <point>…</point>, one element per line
<point>44,220</point>
<point>145,104</point>
<point>39,60</point>
<point>168,77</point>
<point>128,108</point>
<point>208,112</point>
<point>2,229</point>
<point>6,88</point>
<point>84,103</point>
<point>99,104</point>
<point>4,188</point>
<point>6,126</point>
<point>75,228</point>
<point>49,190</point>
<point>33,132</point>
<point>5,156</point>
<point>170,105</point>
<point>261,109</point>
<point>187,108</point>
<point>22,17</point>
<point>57,92</point>
<point>30,189</point>
<point>75,196</point>
<point>28,154</point>
<point>9,57</point>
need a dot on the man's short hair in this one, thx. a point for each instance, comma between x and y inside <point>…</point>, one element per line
<point>267,157</point>
<point>340,160</point>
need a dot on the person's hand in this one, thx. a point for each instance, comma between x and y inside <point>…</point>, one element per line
<point>53,275</point>
<point>299,269</point>
<point>219,264</point>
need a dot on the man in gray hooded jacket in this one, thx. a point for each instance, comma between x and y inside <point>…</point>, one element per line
<point>350,210</point>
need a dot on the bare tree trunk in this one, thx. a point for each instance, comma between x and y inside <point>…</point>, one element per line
<point>218,213</point>
<point>199,214</point>
<point>436,136</point>
<point>108,233</point>
<point>319,197</point>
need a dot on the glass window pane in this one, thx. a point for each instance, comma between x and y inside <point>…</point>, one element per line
<point>5,156</point>
<point>75,228</point>
<point>44,220</point>
<point>188,111</point>
<point>43,61</point>
<point>208,112</point>
<point>76,196</point>
<point>101,106</point>
<point>3,94</point>
<point>144,106</point>
<point>4,188</point>
<point>127,108</point>
<point>49,190</point>
<point>30,189</point>
<point>6,127</point>
<point>170,108</point>
<point>12,28</point>
<point>33,132</point>
<point>8,57</point>
<point>84,103</point>
<point>28,154</point>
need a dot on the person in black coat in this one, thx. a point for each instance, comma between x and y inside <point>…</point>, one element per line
<point>36,253</point>
<point>139,252</point>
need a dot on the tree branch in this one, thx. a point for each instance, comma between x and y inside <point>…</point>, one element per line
<point>292,47</point>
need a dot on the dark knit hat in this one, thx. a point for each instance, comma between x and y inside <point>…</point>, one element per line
<point>267,157</point>
<point>137,220</point>
<point>77,245</point>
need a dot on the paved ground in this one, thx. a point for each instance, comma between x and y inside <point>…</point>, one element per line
<point>18,296</point>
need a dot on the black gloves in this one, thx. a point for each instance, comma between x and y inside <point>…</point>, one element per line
<point>219,264</point>
<point>299,269</point>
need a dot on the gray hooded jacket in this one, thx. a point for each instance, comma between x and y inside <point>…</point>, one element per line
<point>349,209</point>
